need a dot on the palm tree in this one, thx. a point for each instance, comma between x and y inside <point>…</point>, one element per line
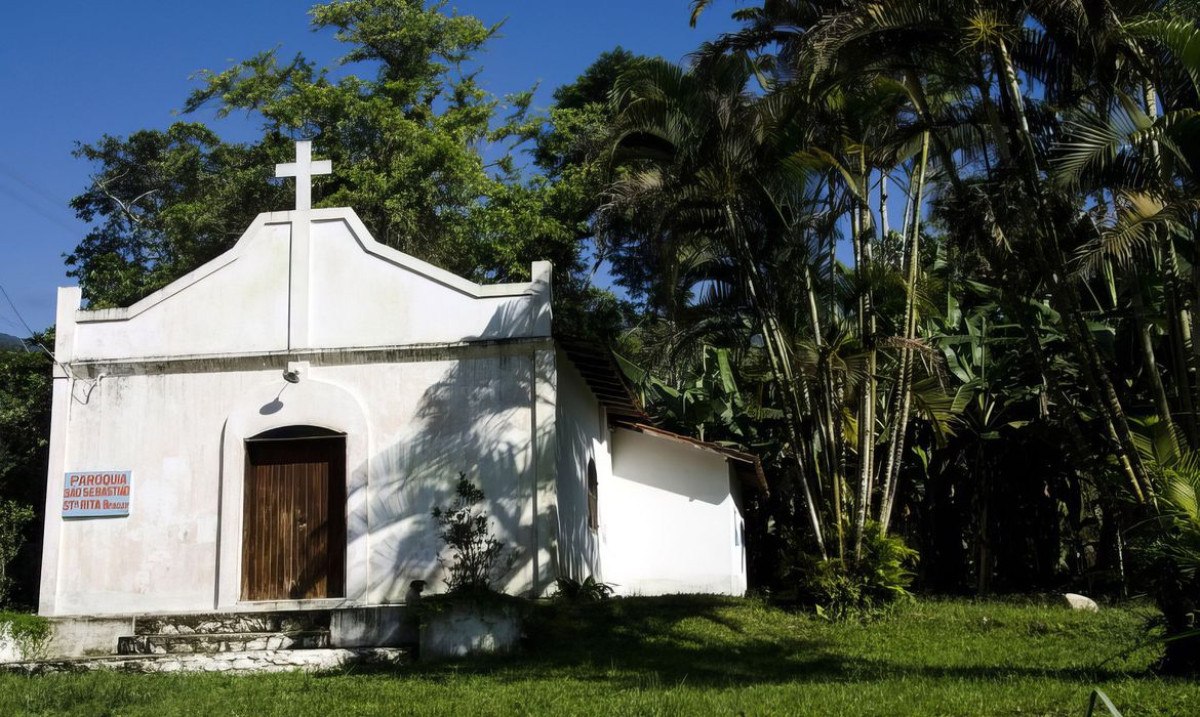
<point>1011,47</point>
<point>707,163</point>
<point>1061,135</point>
<point>700,163</point>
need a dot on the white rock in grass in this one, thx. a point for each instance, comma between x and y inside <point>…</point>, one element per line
<point>1080,602</point>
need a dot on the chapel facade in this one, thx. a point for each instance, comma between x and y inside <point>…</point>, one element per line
<point>272,430</point>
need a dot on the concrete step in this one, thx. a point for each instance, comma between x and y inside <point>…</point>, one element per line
<point>221,642</point>
<point>226,623</point>
<point>240,662</point>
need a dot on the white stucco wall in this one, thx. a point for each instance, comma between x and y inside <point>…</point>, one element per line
<point>582,436</point>
<point>192,315</point>
<point>426,373</point>
<point>669,522</point>
<point>426,306</point>
<point>332,286</point>
<point>424,422</point>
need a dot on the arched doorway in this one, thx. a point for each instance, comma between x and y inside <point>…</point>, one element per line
<point>294,515</point>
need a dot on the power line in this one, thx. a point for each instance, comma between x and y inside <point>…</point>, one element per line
<point>65,368</point>
<point>14,308</point>
<point>31,331</point>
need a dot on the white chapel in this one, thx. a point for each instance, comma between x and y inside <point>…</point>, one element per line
<point>271,431</point>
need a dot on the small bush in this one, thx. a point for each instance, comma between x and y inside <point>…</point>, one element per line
<point>571,590</point>
<point>841,589</point>
<point>31,633</point>
<point>464,530</point>
<point>1166,547</point>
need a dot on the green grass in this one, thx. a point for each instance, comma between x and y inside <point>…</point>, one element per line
<point>691,656</point>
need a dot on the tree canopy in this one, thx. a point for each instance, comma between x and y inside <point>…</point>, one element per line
<point>423,153</point>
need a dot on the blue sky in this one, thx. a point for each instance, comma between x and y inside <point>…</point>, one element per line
<point>73,70</point>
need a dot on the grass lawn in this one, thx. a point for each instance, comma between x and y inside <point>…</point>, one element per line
<point>692,656</point>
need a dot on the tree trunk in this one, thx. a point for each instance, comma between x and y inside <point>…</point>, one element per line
<point>1185,362</point>
<point>1150,364</point>
<point>1017,307</point>
<point>901,409</point>
<point>776,347</point>
<point>867,394</point>
<point>1065,294</point>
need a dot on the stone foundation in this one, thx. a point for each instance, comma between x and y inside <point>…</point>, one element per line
<point>255,661</point>
<point>301,640</point>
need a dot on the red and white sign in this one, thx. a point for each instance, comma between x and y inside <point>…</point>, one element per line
<point>96,494</point>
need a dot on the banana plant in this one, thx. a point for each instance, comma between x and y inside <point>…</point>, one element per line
<point>707,401</point>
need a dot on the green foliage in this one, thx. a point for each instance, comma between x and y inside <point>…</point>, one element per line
<point>571,146</point>
<point>581,117</point>
<point>1057,220</point>
<point>31,633</point>
<point>1177,475</point>
<point>163,202</point>
<point>843,589</point>
<point>1168,544</point>
<point>703,395</point>
<point>474,551</point>
<point>25,388</point>
<point>14,518</point>
<point>25,393</point>
<point>589,590</point>
<point>407,126</point>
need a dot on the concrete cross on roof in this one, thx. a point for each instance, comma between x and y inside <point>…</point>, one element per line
<point>303,169</point>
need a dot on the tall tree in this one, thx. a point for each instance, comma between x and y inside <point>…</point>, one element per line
<point>420,150</point>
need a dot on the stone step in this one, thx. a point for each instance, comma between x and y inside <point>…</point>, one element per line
<point>242,662</point>
<point>221,642</point>
<point>224,623</point>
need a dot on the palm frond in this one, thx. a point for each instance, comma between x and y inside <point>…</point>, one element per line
<point>1179,35</point>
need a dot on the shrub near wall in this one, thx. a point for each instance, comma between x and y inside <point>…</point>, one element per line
<point>22,637</point>
<point>471,618</point>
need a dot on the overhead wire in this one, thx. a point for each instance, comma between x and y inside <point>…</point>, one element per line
<point>32,338</point>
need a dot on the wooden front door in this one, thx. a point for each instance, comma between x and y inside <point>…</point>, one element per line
<point>294,519</point>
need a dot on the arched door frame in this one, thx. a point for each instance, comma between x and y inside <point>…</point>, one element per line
<point>278,404</point>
